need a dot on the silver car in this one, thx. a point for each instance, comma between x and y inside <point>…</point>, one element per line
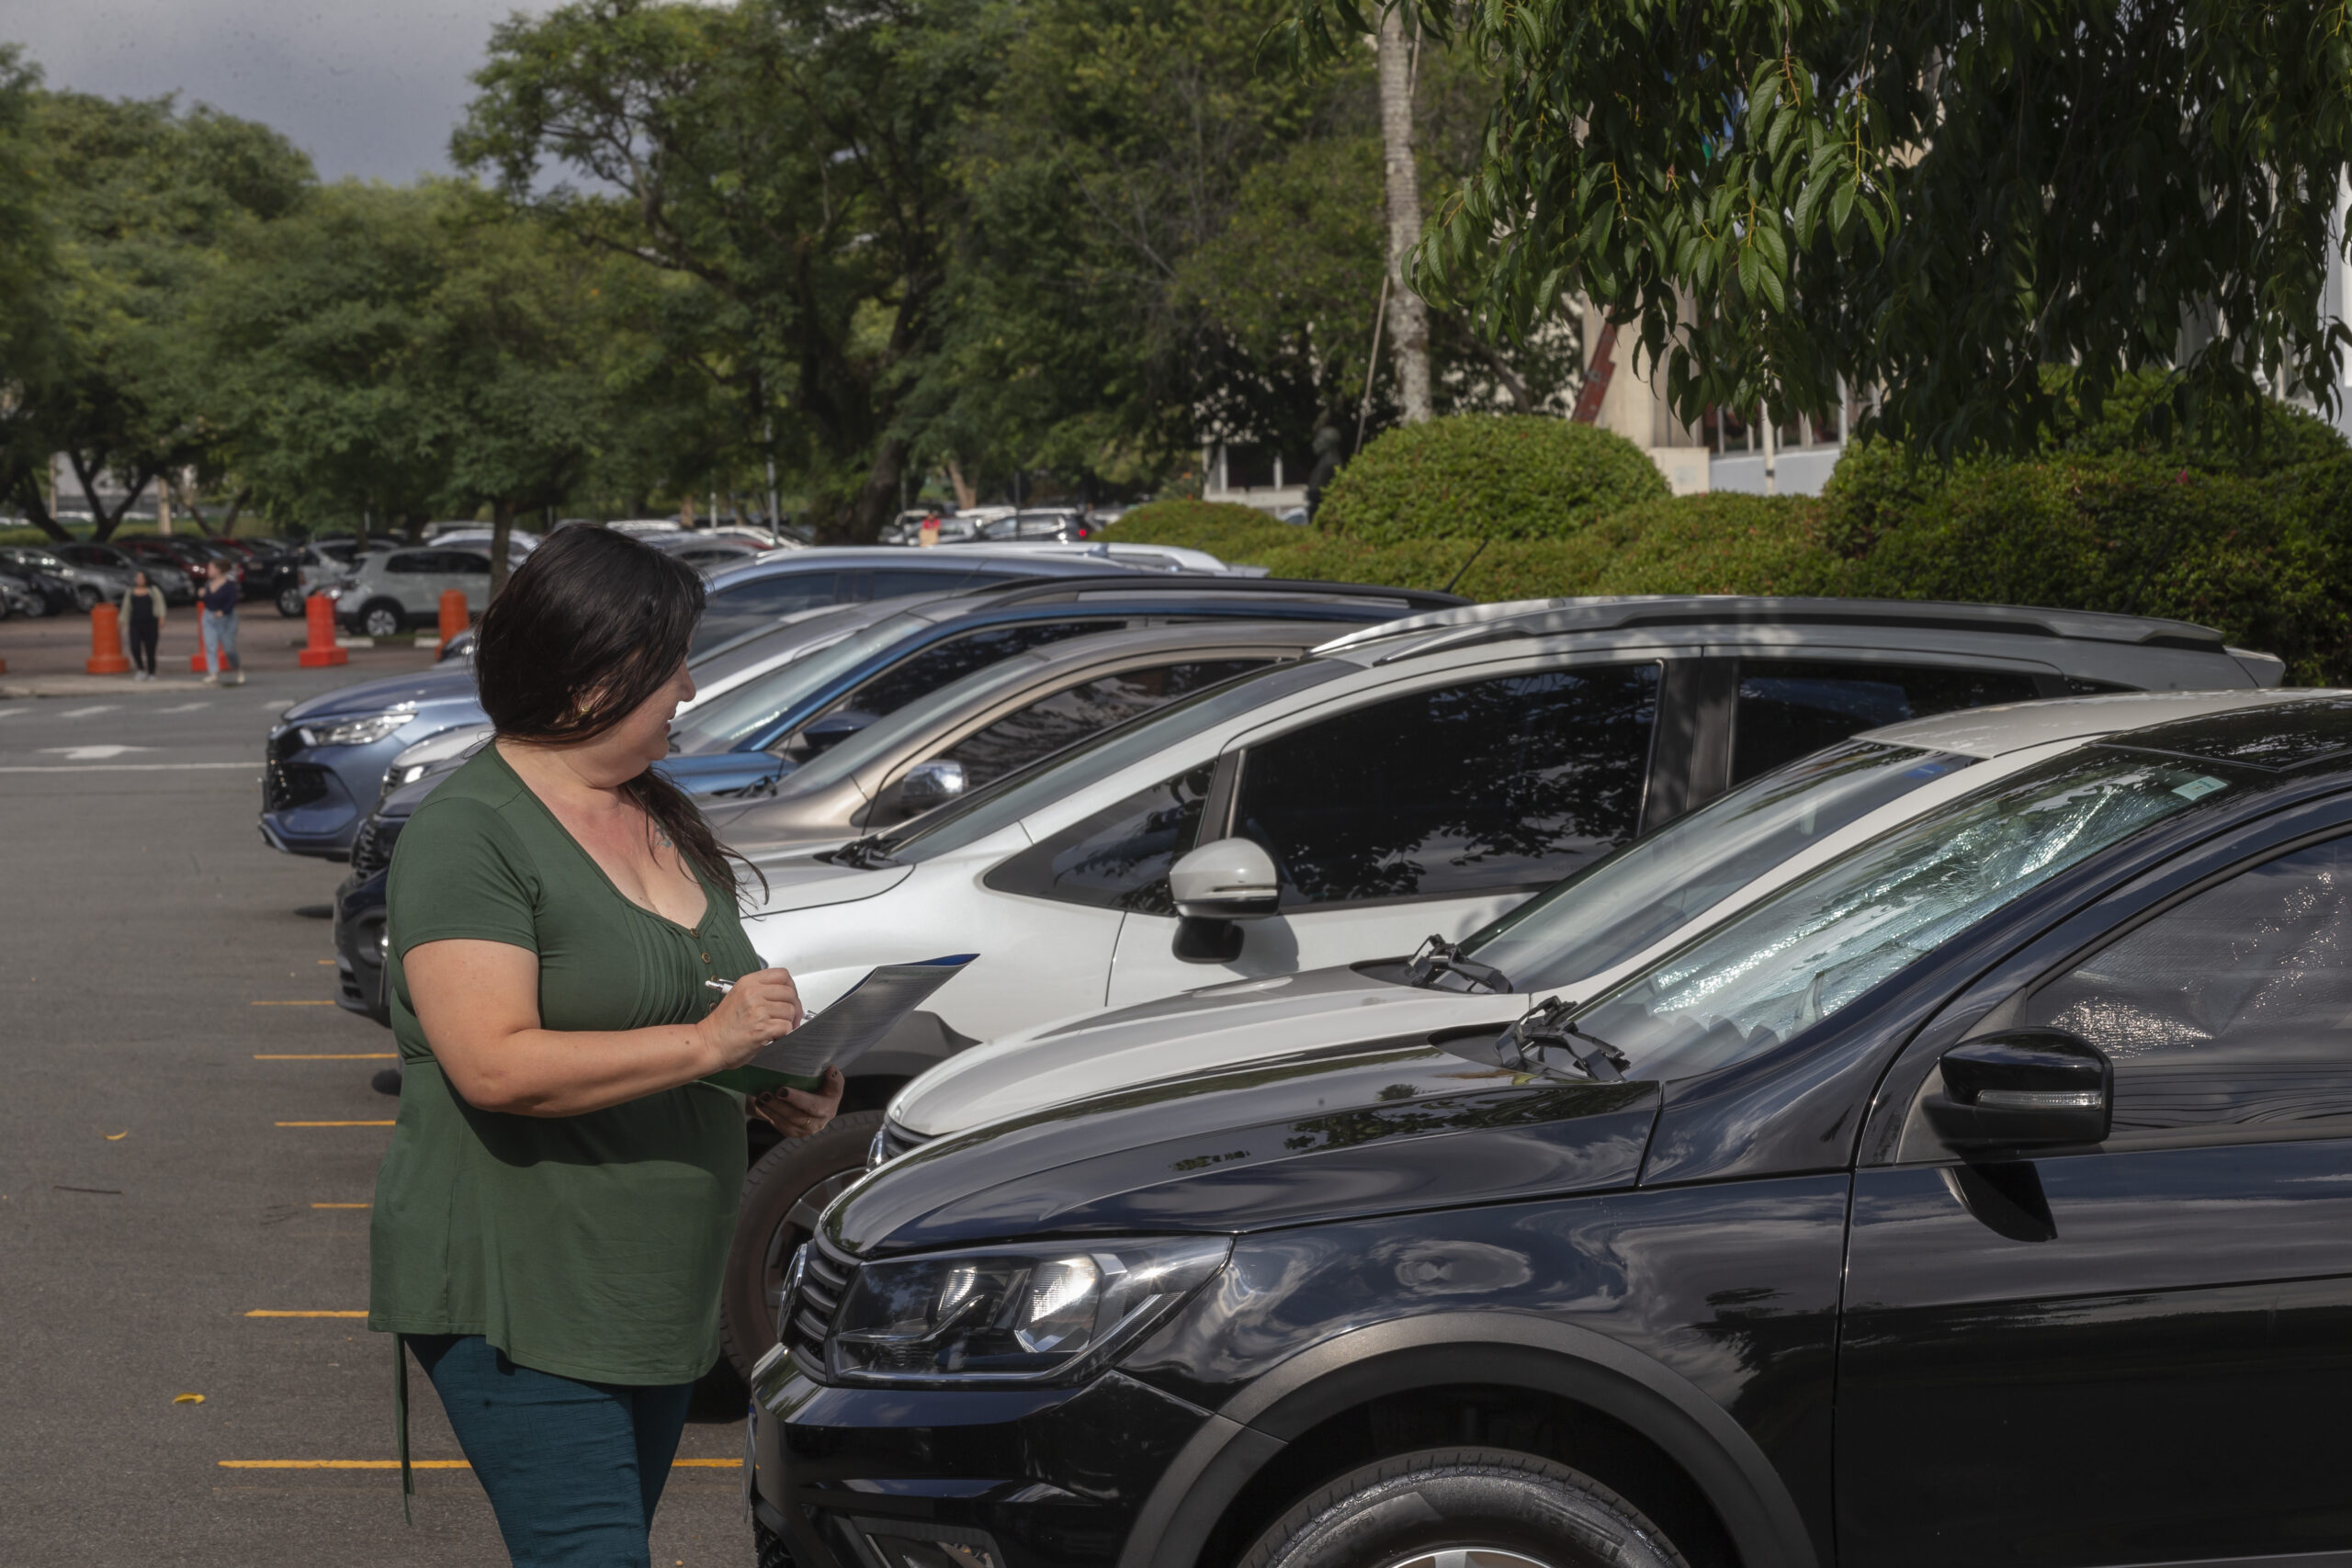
<point>391,592</point>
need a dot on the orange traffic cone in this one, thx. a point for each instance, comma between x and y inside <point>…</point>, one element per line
<point>454,618</point>
<point>318,615</point>
<point>105,642</point>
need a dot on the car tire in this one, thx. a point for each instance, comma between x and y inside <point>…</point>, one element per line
<point>85,598</point>
<point>382,617</point>
<point>784,1193</point>
<point>768,1550</point>
<point>36,606</point>
<point>1506,1509</point>
<point>289,601</point>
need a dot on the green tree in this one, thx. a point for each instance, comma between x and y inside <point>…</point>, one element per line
<point>790,156</point>
<point>1932,200</point>
<point>139,196</point>
<point>27,281</point>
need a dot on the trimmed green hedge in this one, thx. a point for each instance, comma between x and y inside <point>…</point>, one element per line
<point>1486,477</point>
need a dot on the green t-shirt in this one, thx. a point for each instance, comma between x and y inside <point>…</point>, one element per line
<point>590,1246</point>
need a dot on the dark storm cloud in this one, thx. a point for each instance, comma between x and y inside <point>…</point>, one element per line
<point>367,89</point>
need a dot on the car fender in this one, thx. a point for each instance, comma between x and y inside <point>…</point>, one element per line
<point>1443,1349</point>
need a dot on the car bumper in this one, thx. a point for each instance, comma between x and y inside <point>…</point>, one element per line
<point>899,1478</point>
<point>359,947</point>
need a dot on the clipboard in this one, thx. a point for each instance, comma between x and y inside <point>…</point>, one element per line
<point>838,1035</point>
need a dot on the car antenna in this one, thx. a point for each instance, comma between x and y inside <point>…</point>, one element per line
<point>1467,565</point>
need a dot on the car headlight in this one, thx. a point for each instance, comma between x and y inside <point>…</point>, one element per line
<point>362,731</point>
<point>1029,1315</point>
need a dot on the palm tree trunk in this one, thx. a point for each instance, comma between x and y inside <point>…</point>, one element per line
<point>1409,318</point>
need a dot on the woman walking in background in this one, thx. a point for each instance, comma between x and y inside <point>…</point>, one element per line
<point>218,629</point>
<point>553,1215</point>
<point>142,624</point>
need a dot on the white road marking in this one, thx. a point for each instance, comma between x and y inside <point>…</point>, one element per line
<point>185,707</point>
<point>129,768</point>
<point>85,713</point>
<point>90,753</point>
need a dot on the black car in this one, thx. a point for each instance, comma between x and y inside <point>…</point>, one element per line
<point>1984,1197</point>
<point>37,593</point>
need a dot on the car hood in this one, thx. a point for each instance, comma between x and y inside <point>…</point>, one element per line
<point>1296,1140</point>
<point>1202,1030</point>
<point>391,691</point>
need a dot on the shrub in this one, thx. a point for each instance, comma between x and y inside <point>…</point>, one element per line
<point>1219,527</point>
<point>1724,543</point>
<point>1486,477</point>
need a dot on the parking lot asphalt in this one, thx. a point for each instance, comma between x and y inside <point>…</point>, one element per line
<point>187,1140</point>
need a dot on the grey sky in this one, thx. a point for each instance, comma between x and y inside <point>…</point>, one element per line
<point>366,88</point>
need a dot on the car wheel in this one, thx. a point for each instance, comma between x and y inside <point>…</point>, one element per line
<point>289,601</point>
<point>1463,1509</point>
<point>36,606</point>
<point>382,618</point>
<point>784,1193</point>
<point>85,598</point>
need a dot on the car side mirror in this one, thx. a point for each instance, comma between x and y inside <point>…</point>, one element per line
<point>931,783</point>
<point>2024,1089</point>
<point>1229,879</point>
<point>833,728</point>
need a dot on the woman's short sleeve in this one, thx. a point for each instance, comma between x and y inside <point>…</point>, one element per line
<point>458,872</point>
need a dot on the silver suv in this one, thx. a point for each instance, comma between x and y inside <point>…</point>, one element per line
<point>388,593</point>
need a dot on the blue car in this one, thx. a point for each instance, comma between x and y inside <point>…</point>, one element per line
<point>327,757</point>
<point>739,744</point>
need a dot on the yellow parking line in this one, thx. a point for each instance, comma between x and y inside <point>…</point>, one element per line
<point>331,1123</point>
<point>346,1057</point>
<point>273,1312</point>
<point>328,961</point>
<point>303,1004</point>
<point>426,1464</point>
<point>341,1205</point>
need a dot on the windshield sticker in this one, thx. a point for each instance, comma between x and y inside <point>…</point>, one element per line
<point>2199,788</point>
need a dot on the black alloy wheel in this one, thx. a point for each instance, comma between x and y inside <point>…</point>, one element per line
<point>784,1193</point>
<point>1463,1509</point>
<point>289,601</point>
<point>382,618</point>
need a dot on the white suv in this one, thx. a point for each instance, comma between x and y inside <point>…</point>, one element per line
<point>392,591</point>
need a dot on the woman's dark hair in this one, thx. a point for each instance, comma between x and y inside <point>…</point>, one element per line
<point>590,624</point>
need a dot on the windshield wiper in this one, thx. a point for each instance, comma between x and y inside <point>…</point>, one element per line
<point>1438,956</point>
<point>862,854</point>
<point>1546,1027</point>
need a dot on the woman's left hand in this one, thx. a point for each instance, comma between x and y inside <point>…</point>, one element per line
<point>797,1113</point>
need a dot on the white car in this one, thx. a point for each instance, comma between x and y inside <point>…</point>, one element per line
<point>1617,916</point>
<point>1417,778</point>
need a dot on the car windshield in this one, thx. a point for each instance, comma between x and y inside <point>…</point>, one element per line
<point>1644,892</point>
<point>1078,767</point>
<point>733,717</point>
<point>884,735</point>
<point>1799,956</point>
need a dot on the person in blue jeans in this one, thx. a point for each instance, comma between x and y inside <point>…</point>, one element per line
<point>218,628</point>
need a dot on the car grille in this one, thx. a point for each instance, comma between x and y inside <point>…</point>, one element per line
<point>284,786</point>
<point>371,851</point>
<point>892,1141</point>
<point>825,1278</point>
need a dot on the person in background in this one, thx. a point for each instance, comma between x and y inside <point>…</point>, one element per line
<point>218,628</point>
<point>143,625</point>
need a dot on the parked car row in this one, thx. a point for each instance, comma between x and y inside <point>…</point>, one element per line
<point>1605,1080</point>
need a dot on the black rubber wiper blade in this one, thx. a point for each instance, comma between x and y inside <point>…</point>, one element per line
<point>1545,1028</point>
<point>1438,956</point>
<point>862,854</point>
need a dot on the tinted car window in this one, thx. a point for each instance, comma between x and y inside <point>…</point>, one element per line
<point>2229,1013</point>
<point>466,563</point>
<point>919,674</point>
<point>1051,722</point>
<point>1506,782</point>
<point>739,606</point>
<point>414,563</point>
<point>1118,858</point>
<point>1789,707</point>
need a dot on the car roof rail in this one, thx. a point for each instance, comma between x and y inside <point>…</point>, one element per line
<point>1553,618</point>
<point>1015,590</point>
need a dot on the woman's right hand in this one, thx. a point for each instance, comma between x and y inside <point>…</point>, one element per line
<point>764,1005</point>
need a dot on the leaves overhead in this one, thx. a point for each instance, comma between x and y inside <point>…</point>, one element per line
<point>1930,200</point>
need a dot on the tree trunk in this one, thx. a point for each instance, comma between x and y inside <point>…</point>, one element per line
<point>878,500</point>
<point>502,529</point>
<point>964,495</point>
<point>1409,318</point>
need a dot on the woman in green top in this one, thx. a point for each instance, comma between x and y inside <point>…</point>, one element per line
<point>553,1218</point>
